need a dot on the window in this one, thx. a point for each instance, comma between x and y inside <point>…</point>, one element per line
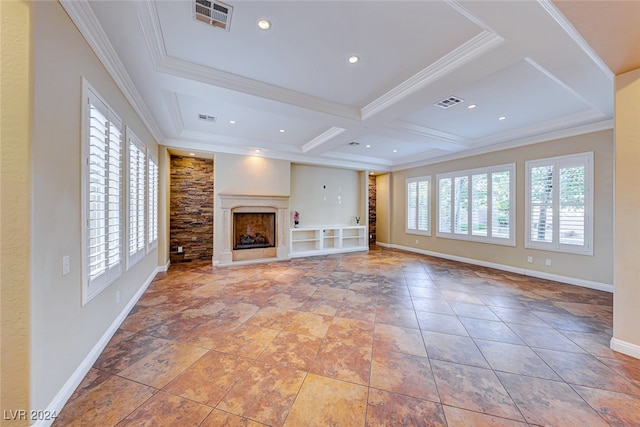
<point>560,204</point>
<point>478,205</point>
<point>137,197</point>
<point>152,199</point>
<point>102,194</point>
<point>419,205</point>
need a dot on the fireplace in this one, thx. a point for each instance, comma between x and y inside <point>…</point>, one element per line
<point>252,230</point>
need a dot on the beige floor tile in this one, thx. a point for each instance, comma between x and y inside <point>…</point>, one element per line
<point>264,394</point>
<point>325,402</point>
<point>164,409</point>
<point>210,377</point>
<point>392,409</point>
<point>163,365</point>
<point>106,404</point>
<point>501,349</point>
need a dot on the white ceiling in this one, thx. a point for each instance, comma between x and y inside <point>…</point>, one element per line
<point>521,59</point>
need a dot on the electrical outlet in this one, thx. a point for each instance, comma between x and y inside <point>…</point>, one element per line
<point>65,265</point>
<point>547,262</point>
<point>529,259</point>
<point>417,242</point>
<point>179,249</point>
<point>117,297</point>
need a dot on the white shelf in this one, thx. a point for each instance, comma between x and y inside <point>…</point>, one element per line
<point>323,240</point>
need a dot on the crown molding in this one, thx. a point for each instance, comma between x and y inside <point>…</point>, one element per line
<point>402,126</point>
<point>569,122</point>
<point>225,144</point>
<point>173,107</point>
<point>148,16</point>
<point>536,139</point>
<point>207,75</point>
<point>85,20</point>
<point>564,23</point>
<point>345,161</point>
<point>477,46</point>
<point>322,138</point>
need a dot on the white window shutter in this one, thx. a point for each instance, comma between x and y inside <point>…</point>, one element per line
<point>102,183</point>
<point>137,198</point>
<point>152,202</point>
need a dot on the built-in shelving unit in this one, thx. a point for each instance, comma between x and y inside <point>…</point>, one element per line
<point>322,240</point>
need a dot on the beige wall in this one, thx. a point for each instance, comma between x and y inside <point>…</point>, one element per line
<point>326,196</point>
<point>626,300</point>
<point>63,331</point>
<point>164,200</point>
<point>247,175</point>
<point>251,175</point>
<point>597,268</point>
<point>15,184</point>
<point>383,208</point>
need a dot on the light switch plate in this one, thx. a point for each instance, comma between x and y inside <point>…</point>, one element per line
<point>65,265</point>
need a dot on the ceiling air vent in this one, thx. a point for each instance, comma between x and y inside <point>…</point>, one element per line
<point>449,102</point>
<point>210,119</point>
<point>214,13</point>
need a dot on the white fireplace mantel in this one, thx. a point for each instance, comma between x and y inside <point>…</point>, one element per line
<point>242,202</point>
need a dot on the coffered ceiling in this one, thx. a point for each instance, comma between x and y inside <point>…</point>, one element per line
<point>519,71</point>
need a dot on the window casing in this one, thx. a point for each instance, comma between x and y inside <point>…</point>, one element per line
<point>559,204</point>
<point>152,202</point>
<point>418,213</point>
<point>137,198</point>
<point>102,194</point>
<point>478,205</point>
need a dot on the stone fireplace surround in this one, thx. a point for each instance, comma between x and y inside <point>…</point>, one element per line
<point>230,203</point>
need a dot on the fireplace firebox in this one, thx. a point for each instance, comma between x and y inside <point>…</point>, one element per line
<point>252,230</point>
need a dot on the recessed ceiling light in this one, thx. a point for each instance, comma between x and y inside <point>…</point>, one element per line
<point>264,24</point>
<point>353,59</point>
<point>281,130</point>
<point>368,146</point>
<point>370,173</point>
<point>472,106</point>
<point>257,150</point>
<point>192,154</point>
<point>395,151</point>
<point>233,122</point>
<point>502,118</point>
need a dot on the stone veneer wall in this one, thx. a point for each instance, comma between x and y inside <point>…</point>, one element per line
<point>372,210</point>
<point>191,209</point>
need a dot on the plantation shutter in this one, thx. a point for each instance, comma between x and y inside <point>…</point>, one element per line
<point>479,202</point>
<point>152,189</point>
<point>104,195</point>
<point>423,205</point>
<point>541,203</point>
<point>501,205</point>
<point>560,203</point>
<point>137,195</point>
<point>444,205</point>
<point>412,204</point>
<point>571,206</point>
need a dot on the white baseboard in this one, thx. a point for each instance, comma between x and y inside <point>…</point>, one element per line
<point>60,399</point>
<point>532,273</point>
<point>627,348</point>
<point>384,245</point>
<point>163,268</point>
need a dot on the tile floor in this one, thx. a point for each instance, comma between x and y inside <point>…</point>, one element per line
<point>384,338</point>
